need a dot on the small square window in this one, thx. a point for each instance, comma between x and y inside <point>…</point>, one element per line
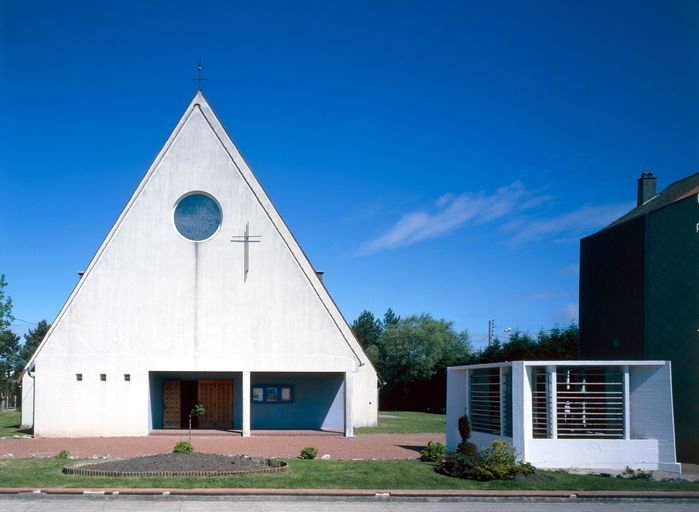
<point>103,377</point>
<point>127,377</point>
<point>79,377</point>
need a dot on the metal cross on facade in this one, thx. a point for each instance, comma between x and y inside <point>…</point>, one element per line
<point>199,78</point>
<point>246,239</point>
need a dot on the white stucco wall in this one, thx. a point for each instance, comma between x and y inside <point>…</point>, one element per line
<point>651,410</point>
<point>27,417</point>
<point>593,453</point>
<point>153,301</point>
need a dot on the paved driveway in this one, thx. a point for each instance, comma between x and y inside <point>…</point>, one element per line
<point>368,446</point>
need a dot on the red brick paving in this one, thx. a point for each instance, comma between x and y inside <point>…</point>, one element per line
<point>367,446</point>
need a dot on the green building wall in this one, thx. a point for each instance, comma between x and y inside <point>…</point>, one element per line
<point>639,299</point>
<point>672,311</point>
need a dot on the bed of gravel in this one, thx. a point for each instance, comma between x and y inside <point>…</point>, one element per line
<point>172,464</point>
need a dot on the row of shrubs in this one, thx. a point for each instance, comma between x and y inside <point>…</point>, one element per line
<point>498,462</point>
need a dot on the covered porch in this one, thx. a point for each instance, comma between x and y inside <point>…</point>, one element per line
<point>251,403</point>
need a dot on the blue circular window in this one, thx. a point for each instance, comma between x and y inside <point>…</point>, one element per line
<point>197,217</point>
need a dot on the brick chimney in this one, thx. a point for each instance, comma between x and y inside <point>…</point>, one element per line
<point>646,187</point>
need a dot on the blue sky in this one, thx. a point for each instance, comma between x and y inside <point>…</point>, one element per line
<point>440,157</point>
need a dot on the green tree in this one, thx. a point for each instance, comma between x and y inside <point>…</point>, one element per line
<point>32,339</point>
<point>367,329</point>
<point>390,318</point>
<point>416,348</point>
<point>6,317</point>
<point>9,345</point>
<point>557,344</point>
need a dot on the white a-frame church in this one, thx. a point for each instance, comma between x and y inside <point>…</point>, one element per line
<point>198,294</point>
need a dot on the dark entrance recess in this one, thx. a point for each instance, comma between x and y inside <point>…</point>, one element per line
<point>188,399</point>
<point>180,397</point>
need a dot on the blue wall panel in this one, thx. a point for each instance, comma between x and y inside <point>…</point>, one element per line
<point>318,402</point>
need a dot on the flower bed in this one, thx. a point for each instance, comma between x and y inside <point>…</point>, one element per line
<point>177,464</point>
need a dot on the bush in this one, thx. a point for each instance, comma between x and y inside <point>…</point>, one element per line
<point>63,455</point>
<point>499,462</point>
<point>635,474</point>
<point>433,452</point>
<point>183,447</point>
<point>464,428</point>
<point>467,448</point>
<point>309,453</point>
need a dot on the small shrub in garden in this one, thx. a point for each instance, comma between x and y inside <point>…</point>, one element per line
<point>63,455</point>
<point>464,428</point>
<point>433,452</point>
<point>309,453</point>
<point>183,447</point>
<point>467,448</point>
<point>635,474</point>
<point>499,462</point>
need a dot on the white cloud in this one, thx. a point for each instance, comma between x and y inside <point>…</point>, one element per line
<point>568,315</point>
<point>572,224</point>
<point>548,294</point>
<point>451,212</point>
<point>573,268</point>
<point>510,205</point>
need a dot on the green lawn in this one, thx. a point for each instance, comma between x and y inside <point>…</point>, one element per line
<point>406,422</point>
<point>9,423</point>
<point>41,473</point>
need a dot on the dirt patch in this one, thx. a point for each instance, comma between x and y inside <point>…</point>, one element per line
<point>534,477</point>
<point>173,464</point>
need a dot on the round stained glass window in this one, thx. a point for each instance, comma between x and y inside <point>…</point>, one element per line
<point>197,217</point>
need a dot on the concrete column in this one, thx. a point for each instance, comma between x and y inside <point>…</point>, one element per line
<point>552,385</point>
<point>349,393</point>
<point>521,408</point>
<point>457,404</point>
<point>627,402</point>
<point>246,404</point>
<point>503,406</point>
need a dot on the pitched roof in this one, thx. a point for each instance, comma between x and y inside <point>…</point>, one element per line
<point>674,192</point>
<point>200,104</point>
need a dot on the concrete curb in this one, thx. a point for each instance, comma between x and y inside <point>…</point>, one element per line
<point>338,493</point>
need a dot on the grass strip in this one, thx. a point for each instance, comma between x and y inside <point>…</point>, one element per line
<point>406,422</point>
<point>408,474</point>
<point>9,423</point>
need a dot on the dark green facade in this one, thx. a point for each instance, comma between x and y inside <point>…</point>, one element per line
<point>639,299</point>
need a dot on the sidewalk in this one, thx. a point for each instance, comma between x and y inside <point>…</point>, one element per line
<point>336,493</point>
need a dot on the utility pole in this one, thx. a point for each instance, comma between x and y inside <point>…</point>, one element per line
<point>491,327</point>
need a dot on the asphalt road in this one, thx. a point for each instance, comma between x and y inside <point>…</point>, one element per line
<point>79,504</point>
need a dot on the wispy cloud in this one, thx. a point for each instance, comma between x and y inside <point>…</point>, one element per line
<point>548,294</point>
<point>571,224</point>
<point>450,212</point>
<point>568,314</point>
<point>518,211</point>
<point>573,268</point>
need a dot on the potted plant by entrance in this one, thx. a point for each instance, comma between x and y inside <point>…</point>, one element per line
<point>198,410</point>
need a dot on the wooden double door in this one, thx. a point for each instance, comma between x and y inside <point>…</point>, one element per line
<point>180,397</point>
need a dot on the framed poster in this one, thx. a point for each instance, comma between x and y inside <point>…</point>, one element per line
<point>258,394</point>
<point>286,394</point>
<point>272,394</point>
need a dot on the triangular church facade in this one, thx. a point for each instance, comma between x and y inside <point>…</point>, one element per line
<point>198,294</point>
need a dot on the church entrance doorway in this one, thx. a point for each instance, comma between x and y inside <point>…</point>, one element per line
<point>180,397</point>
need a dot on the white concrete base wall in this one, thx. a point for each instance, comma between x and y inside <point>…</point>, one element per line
<point>593,453</point>
<point>483,440</point>
<point>365,403</point>
<point>27,401</point>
